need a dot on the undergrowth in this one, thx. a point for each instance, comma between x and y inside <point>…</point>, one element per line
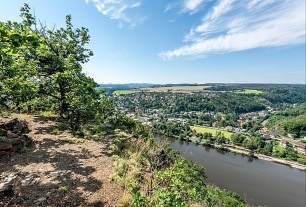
<point>153,175</point>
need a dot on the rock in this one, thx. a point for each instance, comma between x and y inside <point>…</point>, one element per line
<point>21,142</point>
<point>27,181</point>
<point>16,126</point>
<point>34,181</point>
<point>9,185</point>
<point>9,125</point>
<point>6,146</point>
<point>11,135</point>
<point>16,140</point>
<point>2,153</point>
<point>40,200</point>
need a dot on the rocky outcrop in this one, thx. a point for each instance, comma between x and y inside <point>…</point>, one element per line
<point>13,136</point>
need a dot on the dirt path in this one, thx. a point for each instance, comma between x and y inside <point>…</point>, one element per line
<point>62,172</point>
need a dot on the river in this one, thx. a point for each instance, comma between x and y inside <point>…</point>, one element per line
<point>259,182</point>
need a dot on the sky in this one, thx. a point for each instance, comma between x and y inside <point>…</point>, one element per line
<point>183,41</point>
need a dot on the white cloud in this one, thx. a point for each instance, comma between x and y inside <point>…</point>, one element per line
<point>135,5</point>
<point>191,5</point>
<point>119,10</point>
<point>256,4</point>
<point>221,8</point>
<point>169,7</point>
<point>236,26</point>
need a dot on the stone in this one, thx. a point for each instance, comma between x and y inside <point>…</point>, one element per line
<point>40,200</point>
<point>34,181</point>
<point>15,139</point>
<point>9,185</point>
<point>6,146</point>
<point>16,126</point>
<point>11,135</point>
<point>27,181</point>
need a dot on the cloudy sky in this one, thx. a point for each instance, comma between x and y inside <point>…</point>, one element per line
<point>184,41</point>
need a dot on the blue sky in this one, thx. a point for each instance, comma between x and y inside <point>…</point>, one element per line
<point>184,41</point>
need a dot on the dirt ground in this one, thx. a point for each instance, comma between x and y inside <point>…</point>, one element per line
<point>62,172</point>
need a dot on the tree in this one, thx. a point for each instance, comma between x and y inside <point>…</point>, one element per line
<point>16,85</point>
<point>238,138</point>
<point>220,138</point>
<point>47,69</point>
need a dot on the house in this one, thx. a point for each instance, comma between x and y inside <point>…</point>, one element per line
<point>143,119</point>
<point>283,143</point>
<point>229,128</point>
<point>301,149</point>
<point>290,135</point>
<point>266,136</point>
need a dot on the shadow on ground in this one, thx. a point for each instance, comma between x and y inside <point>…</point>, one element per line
<point>63,178</point>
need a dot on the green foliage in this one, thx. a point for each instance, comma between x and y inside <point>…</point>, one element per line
<point>238,138</point>
<point>41,70</point>
<point>302,160</point>
<point>63,189</point>
<point>74,140</point>
<point>3,139</point>
<point>157,177</point>
<point>288,153</point>
<point>55,131</point>
<point>16,71</point>
<point>290,121</point>
<point>180,185</point>
<point>217,197</point>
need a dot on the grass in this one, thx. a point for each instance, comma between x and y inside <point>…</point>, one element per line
<point>63,188</point>
<point>173,89</point>
<point>250,91</point>
<point>202,129</point>
<point>73,140</point>
<point>124,92</point>
<point>279,148</point>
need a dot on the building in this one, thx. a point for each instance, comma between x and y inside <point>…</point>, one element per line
<point>283,143</point>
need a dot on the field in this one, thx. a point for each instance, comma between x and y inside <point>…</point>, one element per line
<point>124,92</point>
<point>201,129</point>
<point>250,91</point>
<point>173,89</point>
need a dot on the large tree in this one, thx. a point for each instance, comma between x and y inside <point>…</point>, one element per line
<point>53,68</point>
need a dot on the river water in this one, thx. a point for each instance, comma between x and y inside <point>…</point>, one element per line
<point>259,182</point>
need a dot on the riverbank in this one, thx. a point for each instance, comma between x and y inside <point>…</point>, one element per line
<point>280,185</point>
<point>233,149</point>
<point>269,158</point>
<point>281,161</point>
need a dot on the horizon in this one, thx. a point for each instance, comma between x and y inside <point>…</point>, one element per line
<point>198,41</point>
<point>241,83</point>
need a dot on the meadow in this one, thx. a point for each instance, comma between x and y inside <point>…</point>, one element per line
<point>250,91</point>
<point>202,129</point>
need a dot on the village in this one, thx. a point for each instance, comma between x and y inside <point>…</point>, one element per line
<point>164,110</point>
